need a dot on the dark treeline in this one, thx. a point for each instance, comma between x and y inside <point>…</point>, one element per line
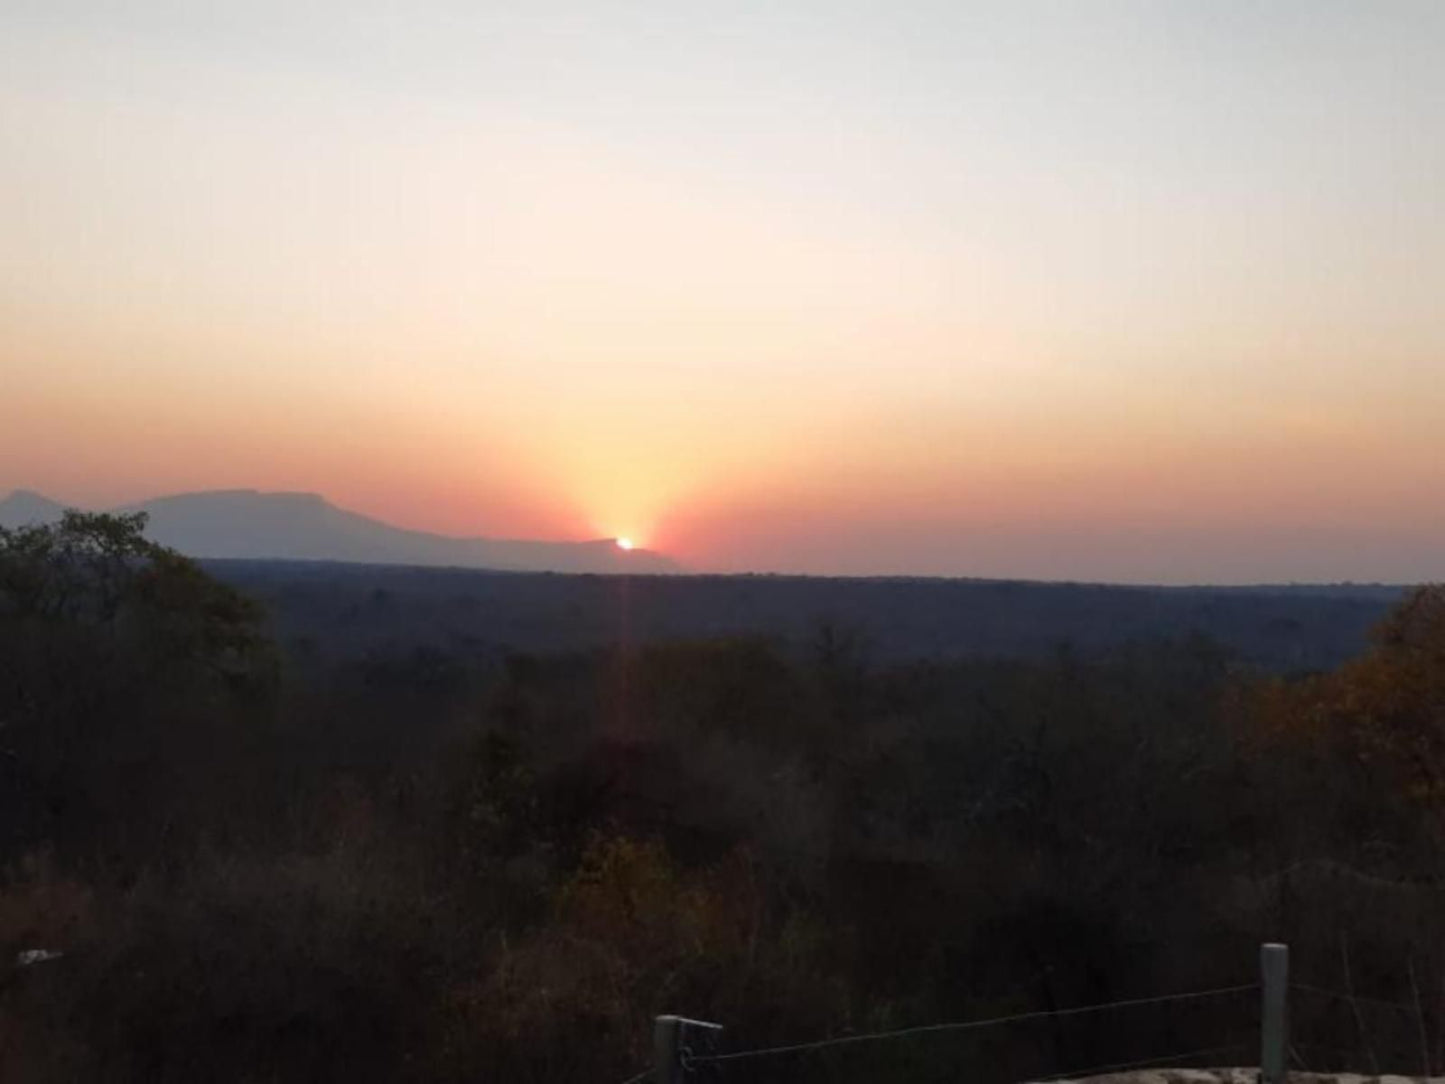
<point>432,865</point>
<point>340,609</point>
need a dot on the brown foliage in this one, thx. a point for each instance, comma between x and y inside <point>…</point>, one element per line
<point>1385,709</point>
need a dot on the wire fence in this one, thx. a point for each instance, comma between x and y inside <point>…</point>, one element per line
<point>692,1063</point>
<point>971,1025</point>
<point>1326,1019</point>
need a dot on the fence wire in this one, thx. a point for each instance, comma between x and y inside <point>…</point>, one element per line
<point>970,1025</point>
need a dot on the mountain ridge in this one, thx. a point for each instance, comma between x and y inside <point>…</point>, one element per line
<point>300,525</point>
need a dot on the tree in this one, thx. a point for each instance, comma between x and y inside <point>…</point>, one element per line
<point>1384,711</point>
<point>116,658</point>
<point>73,570</point>
<point>99,571</point>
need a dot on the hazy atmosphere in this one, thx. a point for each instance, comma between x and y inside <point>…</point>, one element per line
<point>1115,291</point>
<point>789,542</point>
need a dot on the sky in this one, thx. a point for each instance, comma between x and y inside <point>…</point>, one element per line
<point>1129,291</point>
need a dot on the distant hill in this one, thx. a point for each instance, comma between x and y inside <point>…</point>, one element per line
<point>25,506</point>
<point>245,523</point>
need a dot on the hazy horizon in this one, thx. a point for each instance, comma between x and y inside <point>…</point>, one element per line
<point>247,550</point>
<point>1124,292</point>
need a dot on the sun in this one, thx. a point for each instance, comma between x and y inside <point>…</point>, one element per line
<point>626,544</point>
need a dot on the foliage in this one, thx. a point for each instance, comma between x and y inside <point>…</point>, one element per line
<point>1385,711</point>
<point>99,570</point>
<point>421,865</point>
<point>98,624</point>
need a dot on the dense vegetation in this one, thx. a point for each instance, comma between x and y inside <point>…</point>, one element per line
<point>431,865</point>
<point>348,609</point>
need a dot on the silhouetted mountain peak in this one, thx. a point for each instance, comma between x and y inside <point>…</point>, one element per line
<point>252,523</point>
<point>25,506</point>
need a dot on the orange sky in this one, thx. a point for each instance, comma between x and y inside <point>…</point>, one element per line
<point>1102,292</point>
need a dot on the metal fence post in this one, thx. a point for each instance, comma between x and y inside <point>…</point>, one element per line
<point>1274,1014</point>
<point>674,1040</point>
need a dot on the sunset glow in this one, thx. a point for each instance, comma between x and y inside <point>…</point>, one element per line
<point>1104,291</point>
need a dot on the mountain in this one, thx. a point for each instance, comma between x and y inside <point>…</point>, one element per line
<point>25,507</point>
<point>306,527</point>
